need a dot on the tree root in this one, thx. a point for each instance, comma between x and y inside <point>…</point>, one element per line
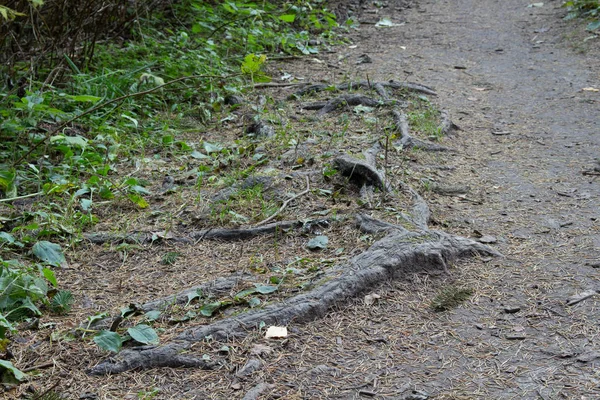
<point>398,254</point>
<point>403,250</point>
<point>325,107</point>
<point>377,86</point>
<point>361,172</point>
<point>407,141</point>
<point>204,234</point>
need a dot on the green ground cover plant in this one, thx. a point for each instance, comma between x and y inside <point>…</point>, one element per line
<point>72,118</point>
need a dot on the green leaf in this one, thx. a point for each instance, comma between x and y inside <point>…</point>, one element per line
<point>244,293</point>
<point>49,274</point>
<point>211,148</point>
<point>110,341</point>
<point>143,334</point>
<point>198,156</point>
<point>209,309</point>
<point>10,239</point>
<point>50,253</point>
<point>592,26</point>
<point>139,190</point>
<point>16,373</point>
<point>138,200</point>
<point>152,315</point>
<point>318,243</point>
<point>5,326</point>
<point>84,98</point>
<point>266,289</point>
<point>254,302</point>
<point>287,17</point>
<point>86,204</point>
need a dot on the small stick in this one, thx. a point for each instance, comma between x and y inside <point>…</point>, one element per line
<point>285,203</point>
<point>21,197</point>
<point>39,366</point>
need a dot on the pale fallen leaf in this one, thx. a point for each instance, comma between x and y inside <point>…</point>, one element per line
<point>536,5</point>
<point>480,89</point>
<point>590,89</point>
<point>261,350</point>
<point>353,46</point>
<point>370,299</point>
<point>275,332</point>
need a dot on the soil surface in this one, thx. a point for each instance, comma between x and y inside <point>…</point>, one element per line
<point>513,78</point>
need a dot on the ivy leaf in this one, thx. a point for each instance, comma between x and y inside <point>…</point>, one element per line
<point>287,17</point>
<point>85,98</point>
<point>9,367</point>
<point>143,333</point>
<point>317,243</point>
<point>254,302</point>
<point>50,253</point>
<point>209,308</point>
<point>211,148</point>
<point>152,315</point>
<point>266,289</point>
<point>49,274</point>
<point>138,200</point>
<point>592,26</point>
<point>139,189</point>
<point>110,341</point>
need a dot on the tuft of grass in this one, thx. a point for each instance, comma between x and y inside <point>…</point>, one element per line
<point>62,302</point>
<point>450,297</point>
<point>170,258</point>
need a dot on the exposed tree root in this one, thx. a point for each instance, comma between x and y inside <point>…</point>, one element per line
<point>285,203</point>
<point>402,250</point>
<point>204,234</point>
<point>325,107</point>
<point>407,141</point>
<point>399,253</point>
<point>361,172</point>
<point>447,125</point>
<point>377,86</point>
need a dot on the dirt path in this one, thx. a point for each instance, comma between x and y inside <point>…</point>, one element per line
<point>502,68</point>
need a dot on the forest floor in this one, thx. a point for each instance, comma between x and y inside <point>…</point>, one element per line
<point>521,84</point>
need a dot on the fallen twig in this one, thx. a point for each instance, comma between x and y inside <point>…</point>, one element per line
<point>285,203</point>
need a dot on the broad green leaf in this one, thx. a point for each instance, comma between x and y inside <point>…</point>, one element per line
<point>106,193</point>
<point>152,315</point>
<point>73,141</point>
<point>139,189</point>
<point>110,341</point>
<point>245,293</point>
<point>287,17</point>
<point>49,274</point>
<point>318,242</point>
<point>8,366</point>
<point>50,253</point>
<point>592,26</point>
<point>143,333</point>
<point>211,148</point>
<point>138,200</point>
<point>5,326</point>
<point>209,309</point>
<point>85,98</point>
<point>254,302</point>
<point>10,239</point>
<point>198,156</point>
<point>86,204</point>
<point>266,289</point>
<point>7,179</point>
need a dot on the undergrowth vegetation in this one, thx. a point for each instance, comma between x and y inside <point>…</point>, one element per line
<point>85,96</point>
<point>585,8</point>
